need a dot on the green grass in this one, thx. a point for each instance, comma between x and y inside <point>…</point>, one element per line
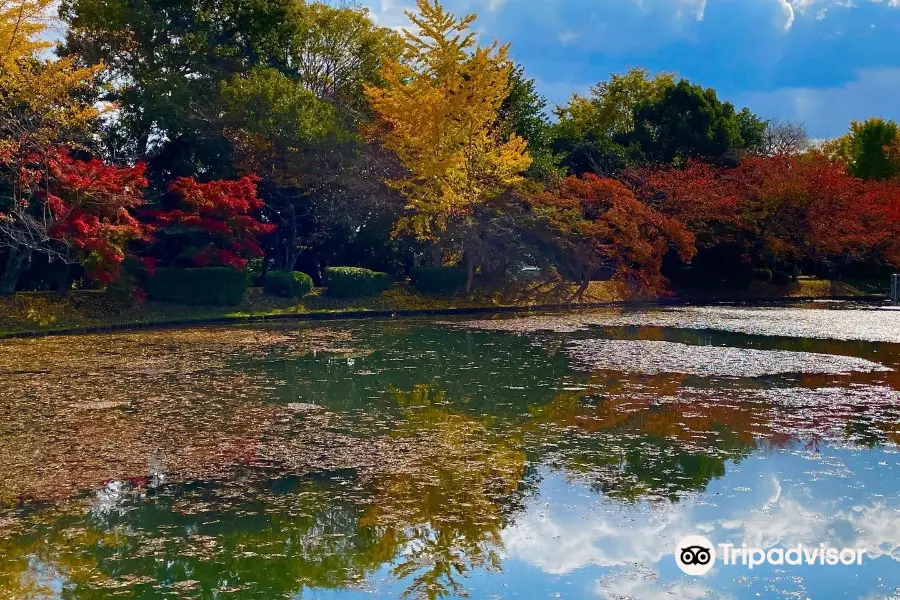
<point>36,312</point>
<point>801,288</point>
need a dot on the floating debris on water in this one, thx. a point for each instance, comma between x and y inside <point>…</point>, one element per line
<point>652,357</point>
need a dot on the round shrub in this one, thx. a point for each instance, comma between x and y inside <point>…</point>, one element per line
<point>434,280</point>
<point>288,284</point>
<point>355,282</point>
<point>762,275</point>
<point>219,286</point>
<point>781,278</point>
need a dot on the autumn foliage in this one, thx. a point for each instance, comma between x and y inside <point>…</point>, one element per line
<point>781,209</point>
<point>594,227</point>
<point>397,151</point>
<point>75,209</point>
<point>437,112</point>
<point>91,202</point>
<point>214,223</point>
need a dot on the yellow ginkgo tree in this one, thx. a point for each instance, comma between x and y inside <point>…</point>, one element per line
<point>437,111</point>
<point>39,95</point>
<point>44,106</point>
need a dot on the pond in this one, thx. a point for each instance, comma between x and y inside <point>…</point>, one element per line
<point>545,456</point>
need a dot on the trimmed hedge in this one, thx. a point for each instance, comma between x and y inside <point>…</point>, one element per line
<point>219,286</point>
<point>355,282</point>
<point>288,284</point>
<point>433,280</point>
<point>781,278</point>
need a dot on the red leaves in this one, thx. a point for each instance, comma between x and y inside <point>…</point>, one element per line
<point>693,194</point>
<point>86,209</point>
<point>105,188</point>
<point>218,217</point>
<point>221,198</point>
<point>149,264</point>
<point>786,207</point>
<point>88,203</point>
<point>598,223</point>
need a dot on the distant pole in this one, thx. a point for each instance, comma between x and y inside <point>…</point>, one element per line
<point>895,290</point>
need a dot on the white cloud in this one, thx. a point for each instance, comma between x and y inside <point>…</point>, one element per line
<point>801,6</point>
<point>561,537</point>
<point>702,10</point>
<point>390,13</point>
<point>695,9</point>
<point>798,519</point>
<point>788,9</point>
<point>560,541</point>
<point>630,586</point>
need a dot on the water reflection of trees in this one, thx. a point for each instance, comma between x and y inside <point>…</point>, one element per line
<point>445,510</point>
<point>433,472</point>
<point>431,515</point>
<point>196,540</point>
<point>634,437</point>
<point>480,372</point>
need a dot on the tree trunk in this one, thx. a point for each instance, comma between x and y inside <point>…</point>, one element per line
<point>14,262</point>
<point>470,275</point>
<point>437,255</point>
<point>584,283</point>
<point>62,284</point>
<point>292,252</point>
<point>265,268</point>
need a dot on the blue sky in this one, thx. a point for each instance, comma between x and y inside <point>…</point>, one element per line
<point>823,62</point>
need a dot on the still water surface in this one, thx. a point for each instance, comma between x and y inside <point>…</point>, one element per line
<point>555,456</point>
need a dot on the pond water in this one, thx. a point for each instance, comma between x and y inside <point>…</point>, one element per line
<point>552,456</point>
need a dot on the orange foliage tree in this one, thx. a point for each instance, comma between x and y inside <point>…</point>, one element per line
<point>595,228</point>
<point>780,209</point>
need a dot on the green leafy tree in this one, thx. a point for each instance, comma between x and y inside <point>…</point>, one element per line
<point>524,113</point>
<point>688,121</point>
<point>165,61</point>
<point>590,129</point>
<point>615,100</point>
<point>169,62</point>
<point>753,132</point>
<point>868,149</point>
<point>268,87</point>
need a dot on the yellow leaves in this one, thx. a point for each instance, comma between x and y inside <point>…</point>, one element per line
<point>442,42</point>
<point>21,22</point>
<point>48,87</point>
<point>838,149</point>
<point>438,113</point>
<point>610,107</point>
<point>45,89</point>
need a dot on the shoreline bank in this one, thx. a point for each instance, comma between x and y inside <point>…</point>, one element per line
<point>38,314</point>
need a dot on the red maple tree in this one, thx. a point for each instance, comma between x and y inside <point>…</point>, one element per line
<point>780,209</point>
<point>75,209</point>
<point>214,220</point>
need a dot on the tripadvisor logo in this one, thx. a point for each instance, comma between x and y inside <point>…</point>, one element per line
<point>696,555</point>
